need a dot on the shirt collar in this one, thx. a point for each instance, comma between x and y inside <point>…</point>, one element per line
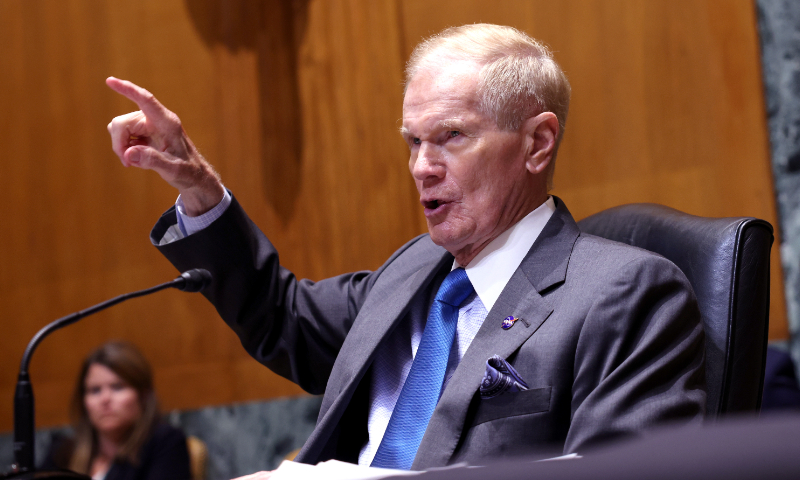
<point>493,267</point>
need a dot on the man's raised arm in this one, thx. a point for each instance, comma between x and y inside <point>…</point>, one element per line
<point>153,138</point>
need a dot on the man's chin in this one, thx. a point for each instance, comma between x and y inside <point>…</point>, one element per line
<point>445,238</point>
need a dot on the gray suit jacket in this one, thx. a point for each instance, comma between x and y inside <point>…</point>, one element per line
<point>609,341</point>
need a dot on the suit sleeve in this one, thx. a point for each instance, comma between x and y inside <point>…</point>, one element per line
<point>640,355</point>
<point>294,327</point>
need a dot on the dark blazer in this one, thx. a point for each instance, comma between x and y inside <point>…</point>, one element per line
<point>609,340</point>
<point>164,456</point>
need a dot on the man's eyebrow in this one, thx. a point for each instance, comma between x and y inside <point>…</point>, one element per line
<point>448,124</point>
<point>452,124</point>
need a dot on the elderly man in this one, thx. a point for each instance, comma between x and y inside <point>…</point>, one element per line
<point>504,331</point>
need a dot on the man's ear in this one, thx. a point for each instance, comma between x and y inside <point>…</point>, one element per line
<point>542,132</point>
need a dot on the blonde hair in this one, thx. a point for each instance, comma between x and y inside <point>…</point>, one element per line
<point>125,360</point>
<point>518,78</point>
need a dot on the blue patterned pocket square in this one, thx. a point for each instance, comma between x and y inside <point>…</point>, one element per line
<point>500,377</point>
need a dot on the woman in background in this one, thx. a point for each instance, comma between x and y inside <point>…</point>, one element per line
<point>118,432</point>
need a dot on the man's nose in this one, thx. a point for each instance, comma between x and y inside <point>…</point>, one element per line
<point>427,163</point>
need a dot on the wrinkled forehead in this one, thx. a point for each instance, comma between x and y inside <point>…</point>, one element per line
<point>446,80</point>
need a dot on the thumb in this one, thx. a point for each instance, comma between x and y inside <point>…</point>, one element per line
<point>132,156</point>
<point>168,167</point>
<point>145,157</point>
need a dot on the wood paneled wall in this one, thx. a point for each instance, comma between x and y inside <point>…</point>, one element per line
<point>297,103</point>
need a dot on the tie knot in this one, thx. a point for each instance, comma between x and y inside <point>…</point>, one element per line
<point>455,288</point>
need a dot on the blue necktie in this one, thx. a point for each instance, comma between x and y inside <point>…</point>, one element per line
<point>423,385</point>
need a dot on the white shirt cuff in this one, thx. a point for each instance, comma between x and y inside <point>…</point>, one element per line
<point>189,225</point>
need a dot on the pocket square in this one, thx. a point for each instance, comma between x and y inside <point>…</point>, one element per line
<point>500,377</point>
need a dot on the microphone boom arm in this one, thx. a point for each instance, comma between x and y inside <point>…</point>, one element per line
<point>74,317</point>
<point>192,280</point>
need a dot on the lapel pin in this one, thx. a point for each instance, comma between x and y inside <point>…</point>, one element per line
<point>509,321</point>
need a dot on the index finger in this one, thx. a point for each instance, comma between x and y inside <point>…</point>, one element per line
<point>147,102</point>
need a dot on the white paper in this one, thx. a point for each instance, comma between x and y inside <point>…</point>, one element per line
<point>332,470</point>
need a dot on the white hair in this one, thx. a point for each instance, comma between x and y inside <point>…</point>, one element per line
<point>518,78</point>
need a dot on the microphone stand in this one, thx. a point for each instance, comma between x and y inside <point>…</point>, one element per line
<point>23,467</point>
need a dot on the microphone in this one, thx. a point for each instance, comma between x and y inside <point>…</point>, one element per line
<point>193,280</point>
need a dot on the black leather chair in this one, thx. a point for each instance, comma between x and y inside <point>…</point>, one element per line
<point>727,262</point>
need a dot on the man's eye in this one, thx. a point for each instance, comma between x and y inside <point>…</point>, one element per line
<point>454,133</point>
<point>415,141</point>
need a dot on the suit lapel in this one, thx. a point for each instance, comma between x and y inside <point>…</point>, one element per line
<point>543,268</point>
<point>387,304</point>
<point>380,315</point>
